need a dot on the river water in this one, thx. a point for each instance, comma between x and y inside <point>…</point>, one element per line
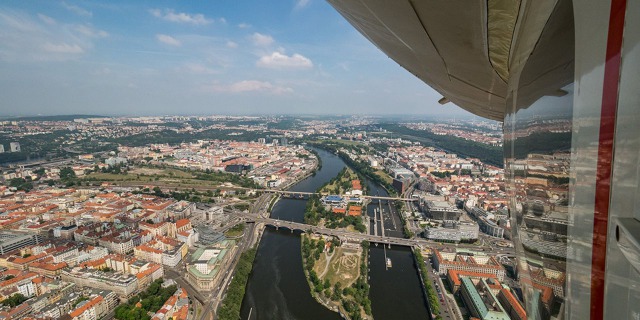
<point>277,288</point>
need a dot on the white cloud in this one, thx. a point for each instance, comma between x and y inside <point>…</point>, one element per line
<point>262,40</point>
<point>63,48</point>
<point>180,17</point>
<point>301,4</point>
<point>252,86</point>
<point>244,26</point>
<point>232,44</point>
<point>37,37</point>
<point>166,39</point>
<point>77,10</point>
<point>197,68</point>
<point>91,32</point>
<point>278,60</point>
<point>46,19</point>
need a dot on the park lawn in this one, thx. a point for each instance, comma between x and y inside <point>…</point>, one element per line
<point>319,265</point>
<point>231,233</point>
<point>168,172</point>
<point>385,176</point>
<point>145,174</point>
<point>344,267</point>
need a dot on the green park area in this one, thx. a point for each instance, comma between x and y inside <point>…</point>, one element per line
<point>167,177</point>
<point>337,275</point>
<point>384,176</point>
<point>341,183</point>
<point>235,231</point>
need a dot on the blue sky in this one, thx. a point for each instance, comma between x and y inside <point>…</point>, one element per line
<point>197,57</point>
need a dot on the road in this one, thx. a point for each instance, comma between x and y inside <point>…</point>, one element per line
<point>244,244</point>
<point>446,309</point>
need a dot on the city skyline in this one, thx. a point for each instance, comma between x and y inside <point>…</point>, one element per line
<point>155,58</point>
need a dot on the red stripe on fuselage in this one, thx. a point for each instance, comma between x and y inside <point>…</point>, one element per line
<point>605,155</point>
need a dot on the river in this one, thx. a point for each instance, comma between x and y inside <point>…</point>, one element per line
<point>277,288</point>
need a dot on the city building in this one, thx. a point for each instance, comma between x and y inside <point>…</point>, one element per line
<point>452,231</point>
<point>92,309</point>
<point>480,301</point>
<point>112,161</point>
<point>14,146</point>
<point>203,270</point>
<point>210,212</point>
<point>208,237</point>
<point>441,210</point>
<point>18,312</point>
<point>175,308</point>
<point>10,240</point>
<point>121,284</point>
<point>454,276</point>
<point>401,184</point>
<point>444,261</point>
<point>511,305</point>
<point>490,227</point>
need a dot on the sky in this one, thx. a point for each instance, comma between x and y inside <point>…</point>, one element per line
<point>197,58</point>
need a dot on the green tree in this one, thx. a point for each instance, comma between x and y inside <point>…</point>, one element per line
<point>67,173</point>
<point>14,300</point>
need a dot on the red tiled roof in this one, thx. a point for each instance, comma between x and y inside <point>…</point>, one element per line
<point>182,222</point>
<point>85,307</point>
<point>514,303</point>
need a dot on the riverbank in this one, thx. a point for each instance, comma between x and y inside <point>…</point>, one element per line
<point>230,306</point>
<point>429,292</point>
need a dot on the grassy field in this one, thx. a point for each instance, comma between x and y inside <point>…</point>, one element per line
<point>344,267</point>
<point>174,173</point>
<point>385,176</point>
<point>173,177</point>
<point>143,174</point>
<point>235,231</point>
<point>116,177</point>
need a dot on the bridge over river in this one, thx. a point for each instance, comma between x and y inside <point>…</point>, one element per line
<point>358,237</point>
<point>342,234</point>
<point>307,194</point>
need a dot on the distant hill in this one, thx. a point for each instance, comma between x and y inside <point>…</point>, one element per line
<point>68,117</point>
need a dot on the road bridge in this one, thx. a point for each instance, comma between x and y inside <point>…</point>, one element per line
<point>357,237</point>
<point>341,234</point>
<point>306,194</point>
